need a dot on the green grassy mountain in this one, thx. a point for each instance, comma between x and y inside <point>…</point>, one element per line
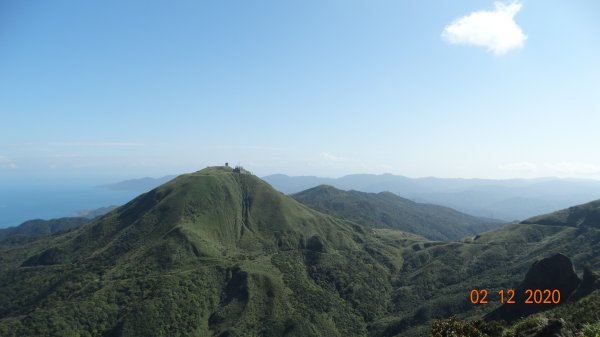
<point>209,253</point>
<point>386,209</point>
<point>216,253</point>
<point>586,215</point>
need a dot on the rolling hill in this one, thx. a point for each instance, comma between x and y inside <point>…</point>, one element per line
<point>32,229</point>
<point>217,253</point>
<point>509,200</point>
<point>386,209</point>
<point>38,227</point>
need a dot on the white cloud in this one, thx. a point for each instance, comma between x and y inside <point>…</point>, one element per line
<point>496,30</point>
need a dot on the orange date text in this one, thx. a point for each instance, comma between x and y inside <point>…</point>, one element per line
<point>531,296</point>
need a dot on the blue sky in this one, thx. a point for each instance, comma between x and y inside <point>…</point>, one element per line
<point>104,90</point>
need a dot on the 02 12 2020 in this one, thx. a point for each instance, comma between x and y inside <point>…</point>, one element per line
<point>532,296</point>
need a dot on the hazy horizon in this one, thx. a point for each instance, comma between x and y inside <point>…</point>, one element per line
<point>100,181</point>
<point>111,91</point>
<point>45,199</point>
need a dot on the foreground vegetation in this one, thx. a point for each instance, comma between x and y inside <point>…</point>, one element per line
<point>581,318</point>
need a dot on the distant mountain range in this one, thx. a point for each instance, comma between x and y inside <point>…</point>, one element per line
<point>509,200</point>
<point>91,214</point>
<point>138,185</point>
<point>219,253</point>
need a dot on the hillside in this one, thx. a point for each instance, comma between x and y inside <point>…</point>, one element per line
<point>216,253</point>
<point>33,228</point>
<point>386,209</point>
<point>586,215</point>
<point>570,232</point>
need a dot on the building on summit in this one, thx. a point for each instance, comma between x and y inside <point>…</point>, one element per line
<point>240,170</point>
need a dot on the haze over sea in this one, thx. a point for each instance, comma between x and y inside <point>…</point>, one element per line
<point>22,203</point>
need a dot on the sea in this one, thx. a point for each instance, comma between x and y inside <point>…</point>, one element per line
<point>19,204</point>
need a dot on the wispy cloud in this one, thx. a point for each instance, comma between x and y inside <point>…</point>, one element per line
<point>559,169</point>
<point>574,168</point>
<point>45,145</point>
<point>386,166</point>
<point>248,147</point>
<point>98,144</point>
<point>520,167</point>
<point>6,162</point>
<point>496,30</point>
<point>330,158</point>
<point>65,155</point>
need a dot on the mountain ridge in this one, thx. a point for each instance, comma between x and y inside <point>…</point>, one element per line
<point>138,184</point>
<point>39,227</point>
<point>385,209</point>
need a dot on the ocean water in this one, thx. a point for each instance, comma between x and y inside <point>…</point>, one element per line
<point>19,204</point>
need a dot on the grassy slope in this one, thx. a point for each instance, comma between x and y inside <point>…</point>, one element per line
<point>217,253</point>
<point>389,210</point>
<point>586,215</point>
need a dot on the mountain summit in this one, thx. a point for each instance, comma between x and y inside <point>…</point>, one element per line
<point>217,212</point>
<point>213,252</point>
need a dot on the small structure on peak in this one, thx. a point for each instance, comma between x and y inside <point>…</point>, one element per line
<point>226,164</point>
<point>240,170</point>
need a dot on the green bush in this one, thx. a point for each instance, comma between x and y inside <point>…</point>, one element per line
<point>591,330</point>
<point>453,327</point>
